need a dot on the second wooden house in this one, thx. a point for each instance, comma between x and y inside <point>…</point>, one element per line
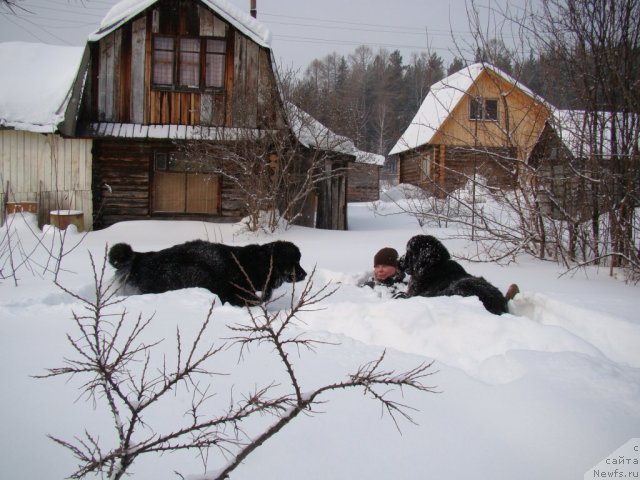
<point>478,122</point>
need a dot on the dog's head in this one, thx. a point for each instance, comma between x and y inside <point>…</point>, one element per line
<point>423,253</point>
<point>286,261</point>
<point>121,255</point>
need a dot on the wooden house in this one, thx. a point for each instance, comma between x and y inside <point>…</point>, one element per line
<point>159,75</point>
<point>476,123</point>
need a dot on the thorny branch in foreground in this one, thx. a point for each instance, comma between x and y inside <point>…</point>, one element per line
<point>118,369</point>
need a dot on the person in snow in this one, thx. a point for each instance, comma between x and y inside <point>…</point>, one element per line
<point>388,274</point>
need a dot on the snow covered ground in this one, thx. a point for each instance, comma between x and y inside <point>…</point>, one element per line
<point>545,392</point>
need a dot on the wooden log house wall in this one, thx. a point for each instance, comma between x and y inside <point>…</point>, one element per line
<point>442,169</point>
<point>131,119</point>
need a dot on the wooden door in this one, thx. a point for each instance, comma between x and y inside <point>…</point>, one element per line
<point>180,191</point>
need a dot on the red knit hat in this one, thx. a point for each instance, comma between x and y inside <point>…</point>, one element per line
<point>386,256</point>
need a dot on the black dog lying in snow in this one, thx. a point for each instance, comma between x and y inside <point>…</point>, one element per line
<point>434,273</point>
<point>235,274</point>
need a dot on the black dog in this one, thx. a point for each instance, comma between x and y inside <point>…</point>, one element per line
<point>434,273</point>
<point>235,274</point>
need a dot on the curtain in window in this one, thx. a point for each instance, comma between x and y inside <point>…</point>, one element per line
<point>190,62</point>
<point>163,57</point>
<point>215,63</point>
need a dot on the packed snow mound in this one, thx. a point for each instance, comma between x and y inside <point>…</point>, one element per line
<point>460,333</point>
<point>550,388</point>
<point>401,192</point>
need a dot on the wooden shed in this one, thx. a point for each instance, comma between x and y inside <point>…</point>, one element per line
<point>478,122</point>
<point>575,159</point>
<point>42,169</point>
<point>364,178</point>
<point>355,174</point>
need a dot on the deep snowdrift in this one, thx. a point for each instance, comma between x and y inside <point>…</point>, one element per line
<point>545,392</point>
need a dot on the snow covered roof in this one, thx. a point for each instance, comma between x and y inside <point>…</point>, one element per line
<point>169,132</point>
<point>440,102</point>
<point>313,134</point>
<point>35,84</point>
<point>125,10</point>
<point>580,132</point>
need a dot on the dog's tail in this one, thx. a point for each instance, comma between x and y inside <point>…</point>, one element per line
<point>121,255</point>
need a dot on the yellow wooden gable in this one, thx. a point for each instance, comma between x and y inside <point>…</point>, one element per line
<point>517,122</point>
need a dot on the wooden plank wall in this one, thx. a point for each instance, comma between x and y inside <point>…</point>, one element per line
<point>123,76</point>
<point>410,168</point>
<point>363,183</point>
<point>332,195</point>
<point>491,163</point>
<point>521,118</point>
<point>452,166</point>
<point>47,169</point>
<point>138,54</point>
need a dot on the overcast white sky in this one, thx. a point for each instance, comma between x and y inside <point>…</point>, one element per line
<point>302,29</point>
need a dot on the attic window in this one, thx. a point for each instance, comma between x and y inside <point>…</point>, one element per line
<point>189,66</point>
<point>189,63</point>
<point>483,109</point>
<point>215,56</point>
<point>163,61</point>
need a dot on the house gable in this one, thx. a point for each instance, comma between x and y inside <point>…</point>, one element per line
<point>125,10</point>
<point>180,63</point>
<point>519,117</point>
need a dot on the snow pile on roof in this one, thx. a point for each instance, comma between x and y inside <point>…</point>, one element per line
<point>581,131</point>
<point>440,102</point>
<point>125,10</point>
<point>35,83</point>
<point>436,107</point>
<point>313,134</point>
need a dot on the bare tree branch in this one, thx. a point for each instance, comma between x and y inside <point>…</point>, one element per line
<point>116,366</point>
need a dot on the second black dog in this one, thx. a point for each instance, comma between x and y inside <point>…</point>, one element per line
<point>434,273</point>
<point>233,273</point>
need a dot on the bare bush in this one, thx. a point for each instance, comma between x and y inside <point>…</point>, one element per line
<point>25,250</point>
<point>569,191</point>
<point>275,174</point>
<point>117,368</point>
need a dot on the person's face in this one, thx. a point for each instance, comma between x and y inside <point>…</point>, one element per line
<point>382,272</point>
